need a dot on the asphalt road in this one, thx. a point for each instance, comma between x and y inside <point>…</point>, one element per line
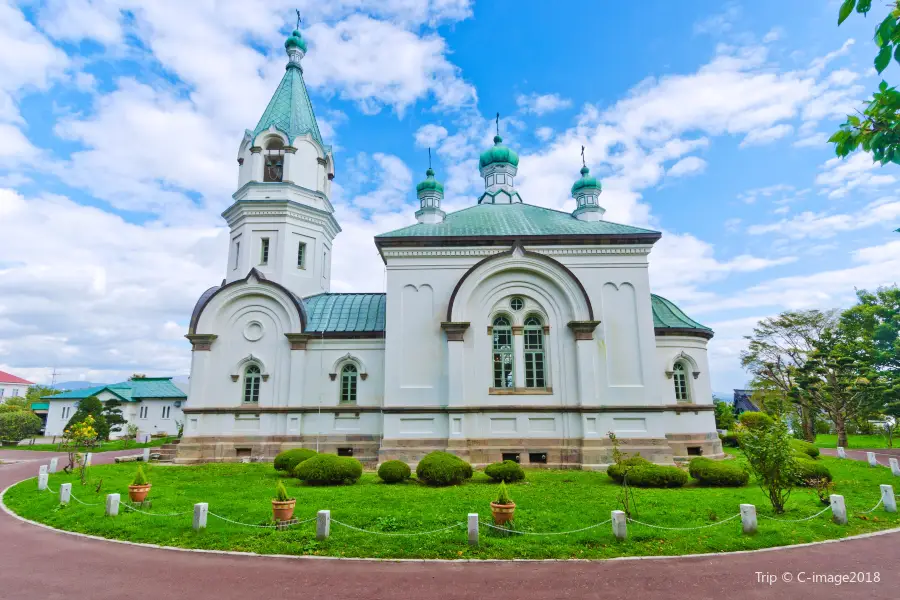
<point>37,563</point>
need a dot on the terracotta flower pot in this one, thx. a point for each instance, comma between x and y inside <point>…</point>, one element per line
<point>502,512</point>
<point>283,511</point>
<point>138,493</point>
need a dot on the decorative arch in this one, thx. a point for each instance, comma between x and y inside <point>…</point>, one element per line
<point>345,359</point>
<point>263,137</point>
<point>683,356</point>
<point>241,365</point>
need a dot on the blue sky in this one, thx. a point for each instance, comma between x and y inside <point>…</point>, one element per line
<point>121,123</point>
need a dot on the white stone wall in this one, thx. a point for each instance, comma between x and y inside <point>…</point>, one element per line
<point>11,390</point>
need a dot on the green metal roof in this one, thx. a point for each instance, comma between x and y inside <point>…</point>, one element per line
<point>345,313</point>
<point>430,183</point>
<point>295,41</point>
<point>40,406</point>
<point>129,391</point>
<point>499,154</point>
<point>668,316</point>
<point>290,109</point>
<point>586,181</point>
<point>516,219</point>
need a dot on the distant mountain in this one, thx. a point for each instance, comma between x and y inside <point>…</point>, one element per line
<point>76,385</point>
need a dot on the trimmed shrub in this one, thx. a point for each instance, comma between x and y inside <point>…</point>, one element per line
<point>807,470</point>
<point>329,469</point>
<point>656,476</point>
<point>288,460</point>
<point>443,468</point>
<point>730,439</point>
<point>805,447</point>
<point>617,471</point>
<point>716,473</point>
<point>508,470</point>
<point>756,420</point>
<point>394,471</point>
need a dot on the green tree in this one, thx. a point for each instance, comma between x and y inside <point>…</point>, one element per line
<point>778,347</point>
<point>93,407</point>
<point>112,415</point>
<point>36,393</point>
<point>877,129</point>
<point>724,414</point>
<point>14,404</point>
<point>17,425</point>
<point>769,454</point>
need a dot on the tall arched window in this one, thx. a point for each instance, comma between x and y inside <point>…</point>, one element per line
<point>252,379</point>
<point>348,384</point>
<point>535,376</point>
<point>503,353</point>
<point>682,393</point>
<point>274,158</point>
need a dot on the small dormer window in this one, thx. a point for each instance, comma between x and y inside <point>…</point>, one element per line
<point>264,252</point>
<point>301,255</point>
<point>274,159</point>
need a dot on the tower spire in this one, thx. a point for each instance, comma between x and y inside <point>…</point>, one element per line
<point>430,193</point>
<point>586,192</point>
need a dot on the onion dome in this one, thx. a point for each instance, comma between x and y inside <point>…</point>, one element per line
<point>296,41</point>
<point>586,181</point>
<point>430,183</point>
<point>499,154</point>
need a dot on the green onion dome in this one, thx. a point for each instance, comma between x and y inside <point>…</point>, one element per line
<point>430,183</point>
<point>499,154</point>
<point>586,181</point>
<point>296,41</point>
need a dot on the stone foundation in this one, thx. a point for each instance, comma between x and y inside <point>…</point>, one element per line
<point>551,453</point>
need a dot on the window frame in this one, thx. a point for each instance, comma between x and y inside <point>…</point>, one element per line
<point>535,357</point>
<point>301,255</point>
<point>348,384</point>
<point>680,382</point>
<point>264,247</point>
<point>166,412</point>
<point>503,354</point>
<point>251,385</point>
<point>237,253</point>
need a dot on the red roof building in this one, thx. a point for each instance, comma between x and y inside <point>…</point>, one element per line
<point>10,378</point>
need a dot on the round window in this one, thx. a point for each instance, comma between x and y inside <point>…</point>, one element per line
<point>517,303</point>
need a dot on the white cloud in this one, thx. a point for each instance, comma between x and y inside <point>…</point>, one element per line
<point>885,212</point>
<point>75,20</point>
<point>759,137</point>
<point>543,133</point>
<point>719,23</point>
<point>429,136</point>
<point>859,172</point>
<point>815,140</point>
<point>690,165</point>
<point>540,104</point>
<point>780,189</point>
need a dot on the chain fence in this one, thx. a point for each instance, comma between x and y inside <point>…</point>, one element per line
<point>716,524</point>
<point>545,533</point>
<point>390,533</point>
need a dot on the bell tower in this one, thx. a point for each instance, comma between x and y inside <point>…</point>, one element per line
<point>282,222</point>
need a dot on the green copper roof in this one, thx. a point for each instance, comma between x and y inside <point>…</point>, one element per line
<point>430,183</point>
<point>345,313</point>
<point>499,154</point>
<point>128,391</point>
<point>585,181</point>
<point>290,109</point>
<point>516,219</point>
<point>668,316</point>
<point>40,406</point>
<point>295,41</point>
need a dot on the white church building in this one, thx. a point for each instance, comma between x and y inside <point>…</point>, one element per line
<point>507,330</point>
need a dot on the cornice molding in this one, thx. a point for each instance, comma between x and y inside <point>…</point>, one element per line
<point>441,252</point>
<point>590,251</point>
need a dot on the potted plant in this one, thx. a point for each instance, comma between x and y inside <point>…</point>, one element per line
<point>504,507</point>
<point>282,504</point>
<point>140,487</point>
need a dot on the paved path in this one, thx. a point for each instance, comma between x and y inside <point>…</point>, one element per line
<point>36,563</point>
<point>882,455</point>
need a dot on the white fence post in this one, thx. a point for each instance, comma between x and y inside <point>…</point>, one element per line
<point>748,518</point>
<point>841,453</point>
<point>88,456</point>
<point>42,470</point>
<point>42,482</point>
<point>473,529</point>
<point>146,455</point>
<point>838,510</point>
<point>65,493</point>
<point>619,525</point>
<point>323,524</point>
<point>888,498</point>
<point>895,467</point>
<point>54,462</point>
<point>873,462</point>
<point>112,505</point>
<point>200,511</point>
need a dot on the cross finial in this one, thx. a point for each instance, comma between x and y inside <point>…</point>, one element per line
<point>583,164</point>
<point>298,18</point>
<point>429,158</point>
<point>497,120</point>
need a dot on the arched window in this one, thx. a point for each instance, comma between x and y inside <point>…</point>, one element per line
<point>348,384</point>
<point>682,393</point>
<point>274,158</point>
<point>503,353</point>
<point>535,365</point>
<point>252,379</point>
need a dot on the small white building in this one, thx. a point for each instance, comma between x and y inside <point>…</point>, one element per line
<point>154,404</point>
<point>508,330</point>
<point>12,386</point>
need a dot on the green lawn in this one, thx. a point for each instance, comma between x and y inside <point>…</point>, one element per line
<point>548,501</point>
<point>104,447</point>
<point>857,442</point>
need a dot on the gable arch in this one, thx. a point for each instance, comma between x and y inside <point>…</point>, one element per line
<point>345,360</point>
<point>690,361</point>
<point>241,366</point>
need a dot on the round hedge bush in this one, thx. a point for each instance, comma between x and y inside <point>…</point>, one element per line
<point>805,447</point>
<point>288,460</point>
<point>329,469</point>
<point>730,439</point>
<point>755,420</point>
<point>808,469</point>
<point>656,476</point>
<point>443,468</point>
<point>718,473</point>
<point>617,471</point>
<point>508,471</point>
<point>394,471</point>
